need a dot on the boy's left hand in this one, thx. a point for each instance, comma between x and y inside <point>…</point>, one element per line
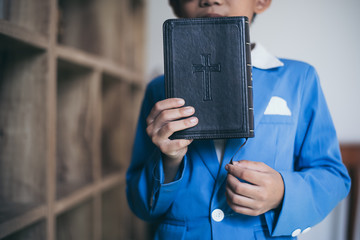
<point>262,191</point>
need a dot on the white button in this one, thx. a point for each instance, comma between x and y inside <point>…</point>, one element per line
<point>217,215</point>
<point>306,230</point>
<point>296,232</point>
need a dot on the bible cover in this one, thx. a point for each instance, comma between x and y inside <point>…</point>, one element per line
<point>207,63</point>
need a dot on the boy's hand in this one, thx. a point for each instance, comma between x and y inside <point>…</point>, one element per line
<point>165,118</point>
<point>262,191</point>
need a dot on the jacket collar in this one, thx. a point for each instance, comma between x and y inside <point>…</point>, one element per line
<point>263,59</point>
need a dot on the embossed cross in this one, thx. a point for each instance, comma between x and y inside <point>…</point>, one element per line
<point>206,68</point>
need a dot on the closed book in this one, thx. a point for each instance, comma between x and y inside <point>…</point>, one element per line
<point>207,63</point>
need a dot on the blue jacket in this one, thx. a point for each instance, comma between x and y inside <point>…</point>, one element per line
<point>294,134</point>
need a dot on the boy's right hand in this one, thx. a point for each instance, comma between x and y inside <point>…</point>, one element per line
<point>166,117</point>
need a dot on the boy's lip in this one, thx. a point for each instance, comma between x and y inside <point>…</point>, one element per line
<point>212,15</point>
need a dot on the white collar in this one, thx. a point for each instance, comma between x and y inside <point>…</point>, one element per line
<point>262,59</point>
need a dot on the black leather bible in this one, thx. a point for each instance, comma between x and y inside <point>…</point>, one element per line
<point>207,63</point>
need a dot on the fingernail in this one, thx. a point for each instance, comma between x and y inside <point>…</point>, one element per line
<point>226,167</point>
<point>189,110</point>
<point>181,102</point>
<point>193,120</point>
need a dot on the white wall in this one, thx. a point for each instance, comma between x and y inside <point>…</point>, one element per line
<point>324,33</point>
<point>158,12</point>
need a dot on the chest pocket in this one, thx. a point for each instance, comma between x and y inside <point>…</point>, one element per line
<point>274,135</point>
<point>279,132</point>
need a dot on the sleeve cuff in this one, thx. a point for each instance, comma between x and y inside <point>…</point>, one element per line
<point>290,219</point>
<point>164,194</point>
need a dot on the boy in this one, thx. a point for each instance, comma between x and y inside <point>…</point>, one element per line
<point>291,175</point>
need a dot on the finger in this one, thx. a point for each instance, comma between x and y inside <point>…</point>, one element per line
<point>169,128</point>
<point>245,210</point>
<point>241,188</point>
<point>162,105</point>
<point>253,165</point>
<point>239,200</point>
<point>252,176</point>
<point>170,115</point>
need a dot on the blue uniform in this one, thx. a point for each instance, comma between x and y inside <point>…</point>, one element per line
<point>294,135</point>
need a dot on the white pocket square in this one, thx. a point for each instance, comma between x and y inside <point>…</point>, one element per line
<point>277,106</point>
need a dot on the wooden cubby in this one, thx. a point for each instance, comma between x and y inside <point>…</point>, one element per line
<point>111,218</point>
<point>22,139</point>
<point>71,83</point>
<point>32,15</point>
<point>34,231</point>
<point>77,223</point>
<point>117,122</point>
<point>76,114</point>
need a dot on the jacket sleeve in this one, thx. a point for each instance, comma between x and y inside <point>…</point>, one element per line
<point>319,180</point>
<point>147,196</point>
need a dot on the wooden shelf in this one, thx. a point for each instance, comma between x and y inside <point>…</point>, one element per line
<point>27,218</point>
<point>23,35</point>
<point>71,83</point>
<point>111,30</point>
<point>88,192</point>
<point>117,124</point>
<point>77,223</point>
<point>13,210</point>
<point>22,171</point>
<point>35,231</point>
<point>76,125</point>
<point>112,217</point>
<point>32,15</point>
<point>85,59</point>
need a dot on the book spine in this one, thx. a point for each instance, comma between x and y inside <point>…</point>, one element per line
<point>167,31</point>
<point>249,78</point>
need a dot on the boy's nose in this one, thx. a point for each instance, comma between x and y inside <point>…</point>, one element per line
<point>207,3</point>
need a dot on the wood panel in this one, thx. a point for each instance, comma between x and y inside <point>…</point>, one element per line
<point>79,25</point>
<point>76,223</point>
<point>75,124</point>
<point>22,139</point>
<point>35,231</point>
<point>351,158</point>
<point>117,130</point>
<point>71,83</point>
<point>112,217</point>
<point>32,15</point>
